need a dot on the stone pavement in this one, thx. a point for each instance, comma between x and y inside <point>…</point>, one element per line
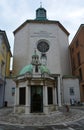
<point>61,116</point>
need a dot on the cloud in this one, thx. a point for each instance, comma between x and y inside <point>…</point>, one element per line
<point>14,12</point>
<point>69,13</point>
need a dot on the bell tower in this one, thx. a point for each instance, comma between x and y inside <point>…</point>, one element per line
<point>41,13</point>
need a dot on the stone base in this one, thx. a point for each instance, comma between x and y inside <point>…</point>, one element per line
<point>27,109</point>
<point>49,108</point>
<point>19,109</point>
<point>45,109</point>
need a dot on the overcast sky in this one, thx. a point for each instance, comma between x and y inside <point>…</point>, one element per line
<point>70,13</point>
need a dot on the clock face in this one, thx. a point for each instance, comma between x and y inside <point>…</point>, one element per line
<point>43,46</point>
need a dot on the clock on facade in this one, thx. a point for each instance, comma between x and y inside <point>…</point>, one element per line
<point>43,46</point>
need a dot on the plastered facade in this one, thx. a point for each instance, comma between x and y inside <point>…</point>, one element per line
<point>26,40</point>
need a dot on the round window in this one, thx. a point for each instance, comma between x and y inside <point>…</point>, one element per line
<point>43,46</point>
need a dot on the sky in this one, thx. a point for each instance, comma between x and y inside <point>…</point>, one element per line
<point>70,13</point>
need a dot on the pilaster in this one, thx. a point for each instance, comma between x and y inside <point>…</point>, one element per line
<point>59,92</point>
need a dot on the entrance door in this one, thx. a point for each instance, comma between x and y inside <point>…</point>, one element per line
<point>36,99</point>
<point>22,96</point>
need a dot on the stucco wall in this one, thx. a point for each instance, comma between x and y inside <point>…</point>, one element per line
<point>26,40</point>
<point>1,95</point>
<point>71,83</point>
<point>65,62</point>
<point>9,96</point>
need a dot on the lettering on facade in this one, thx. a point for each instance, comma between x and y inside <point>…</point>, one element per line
<point>43,34</point>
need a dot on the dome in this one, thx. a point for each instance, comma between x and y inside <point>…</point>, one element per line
<point>44,69</point>
<point>27,69</point>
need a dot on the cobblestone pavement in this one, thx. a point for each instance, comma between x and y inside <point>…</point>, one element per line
<point>61,116</point>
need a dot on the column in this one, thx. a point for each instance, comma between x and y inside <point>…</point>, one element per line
<point>54,96</point>
<point>15,101</point>
<point>29,97</point>
<point>27,105</point>
<point>59,92</point>
<point>17,95</point>
<point>45,100</point>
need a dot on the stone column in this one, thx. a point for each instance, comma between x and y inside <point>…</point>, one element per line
<point>59,92</point>
<point>17,95</point>
<point>27,105</point>
<point>15,101</point>
<point>45,100</point>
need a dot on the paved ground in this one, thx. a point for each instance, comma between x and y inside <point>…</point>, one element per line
<point>59,117</point>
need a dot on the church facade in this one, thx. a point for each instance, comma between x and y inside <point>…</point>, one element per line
<point>41,59</point>
<point>48,37</point>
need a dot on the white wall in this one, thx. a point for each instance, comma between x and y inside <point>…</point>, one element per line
<point>64,52</point>
<point>21,49</point>
<point>67,84</point>
<point>8,92</point>
<point>26,40</point>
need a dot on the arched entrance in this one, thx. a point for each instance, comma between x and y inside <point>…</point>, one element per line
<point>36,98</point>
